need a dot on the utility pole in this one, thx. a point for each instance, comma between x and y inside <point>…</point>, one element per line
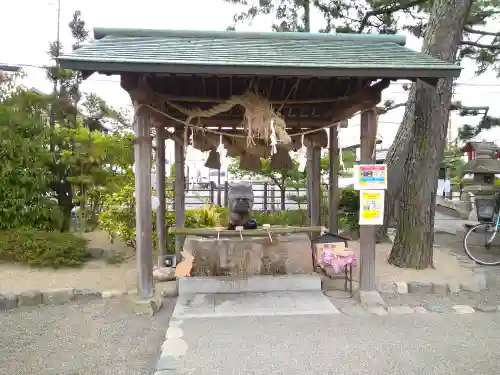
<point>52,119</point>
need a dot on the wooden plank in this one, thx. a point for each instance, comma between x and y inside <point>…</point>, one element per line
<point>367,232</point>
<point>180,206</point>
<point>144,225</point>
<point>160,193</point>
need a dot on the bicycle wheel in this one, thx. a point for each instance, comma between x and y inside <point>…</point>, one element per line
<point>482,244</point>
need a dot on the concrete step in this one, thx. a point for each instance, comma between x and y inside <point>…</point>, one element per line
<point>252,304</point>
<point>251,284</point>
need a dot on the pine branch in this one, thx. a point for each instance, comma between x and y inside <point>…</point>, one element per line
<point>489,47</point>
<point>388,10</point>
<point>470,30</point>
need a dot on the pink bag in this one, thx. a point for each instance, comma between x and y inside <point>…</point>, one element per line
<point>336,261</point>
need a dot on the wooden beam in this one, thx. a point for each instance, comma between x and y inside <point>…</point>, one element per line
<point>367,232</point>
<point>144,225</point>
<point>160,193</point>
<point>179,202</point>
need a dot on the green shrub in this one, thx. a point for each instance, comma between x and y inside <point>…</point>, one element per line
<point>42,249</point>
<point>349,208</point>
<point>289,217</point>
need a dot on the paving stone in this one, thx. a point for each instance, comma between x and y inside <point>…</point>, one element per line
<point>420,309</point>
<point>371,298</point>
<point>453,287</point>
<point>113,293</point>
<point>472,286</point>
<point>462,257</point>
<point>480,280</point>
<point>419,287</point>
<point>378,310</point>
<point>400,310</point>
<point>167,289</point>
<point>174,332</point>
<point>30,298</point>
<point>174,348</point>
<point>486,308</point>
<point>355,311</point>
<point>469,265</point>
<point>169,362</point>
<point>96,252</point>
<point>386,288</point>
<point>8,301</point>
<point>440,288</point>
<point>86,295</point>
<point>57,296</point>
<point>166,372</point>
<point>401,287</point>
<point>462,309</point>
<point>438,309</point>
<point>148,306</point>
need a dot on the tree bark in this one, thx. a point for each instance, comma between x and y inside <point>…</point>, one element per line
<point>445,49</point>
<point>413,245</point>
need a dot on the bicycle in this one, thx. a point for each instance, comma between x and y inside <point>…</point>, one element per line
<point>488,228</point>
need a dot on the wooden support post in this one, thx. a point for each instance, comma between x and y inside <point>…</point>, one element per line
<point>179,197</point>
<point>333,181</point>
<point>143,211</point>
<point>313,186</point>
<point>367,232</point>
<point>160,193</point>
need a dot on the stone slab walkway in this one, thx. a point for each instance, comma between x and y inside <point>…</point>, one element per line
<point>253,304</point>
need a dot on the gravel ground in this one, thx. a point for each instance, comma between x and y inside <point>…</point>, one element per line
<point>17,278</point>
<point>416,344</point>
<point>100,337</point>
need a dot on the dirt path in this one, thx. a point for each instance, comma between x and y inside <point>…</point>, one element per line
<point>95,275</point>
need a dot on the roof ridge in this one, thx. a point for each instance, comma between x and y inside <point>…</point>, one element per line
<point>100,32</point>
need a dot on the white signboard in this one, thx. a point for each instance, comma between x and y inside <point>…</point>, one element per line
<point>371,207</point>
<point>370,177</point>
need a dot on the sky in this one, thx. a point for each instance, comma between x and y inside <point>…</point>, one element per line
<point>32,24</point>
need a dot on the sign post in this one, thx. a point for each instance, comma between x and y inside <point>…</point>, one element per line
<point>371,181</point>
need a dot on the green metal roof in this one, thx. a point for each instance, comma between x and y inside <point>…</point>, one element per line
<point>231,52</point>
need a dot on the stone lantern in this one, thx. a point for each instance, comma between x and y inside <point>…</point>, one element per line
<point>483,167</point>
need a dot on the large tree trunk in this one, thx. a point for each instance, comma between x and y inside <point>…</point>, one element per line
<point>413,245</point>
<point>436,43</point>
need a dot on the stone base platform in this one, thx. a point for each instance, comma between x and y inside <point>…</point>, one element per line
<point>253,304</point>
<point>251,284</point>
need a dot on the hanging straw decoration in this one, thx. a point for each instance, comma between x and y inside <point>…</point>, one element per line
<point>257,120</point>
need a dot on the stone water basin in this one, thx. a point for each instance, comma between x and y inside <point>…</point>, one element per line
<point>232,256</point>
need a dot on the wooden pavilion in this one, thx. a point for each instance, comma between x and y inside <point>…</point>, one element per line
<point>313,81</point>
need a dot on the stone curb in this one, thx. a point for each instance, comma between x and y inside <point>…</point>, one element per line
<point>452,286</point>
<point>359,311</point>
<point>10,301</point>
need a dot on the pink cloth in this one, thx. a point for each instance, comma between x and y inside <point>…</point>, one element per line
<point>337,262</point>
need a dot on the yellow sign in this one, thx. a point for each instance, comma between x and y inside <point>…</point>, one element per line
<point>371,207</point>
